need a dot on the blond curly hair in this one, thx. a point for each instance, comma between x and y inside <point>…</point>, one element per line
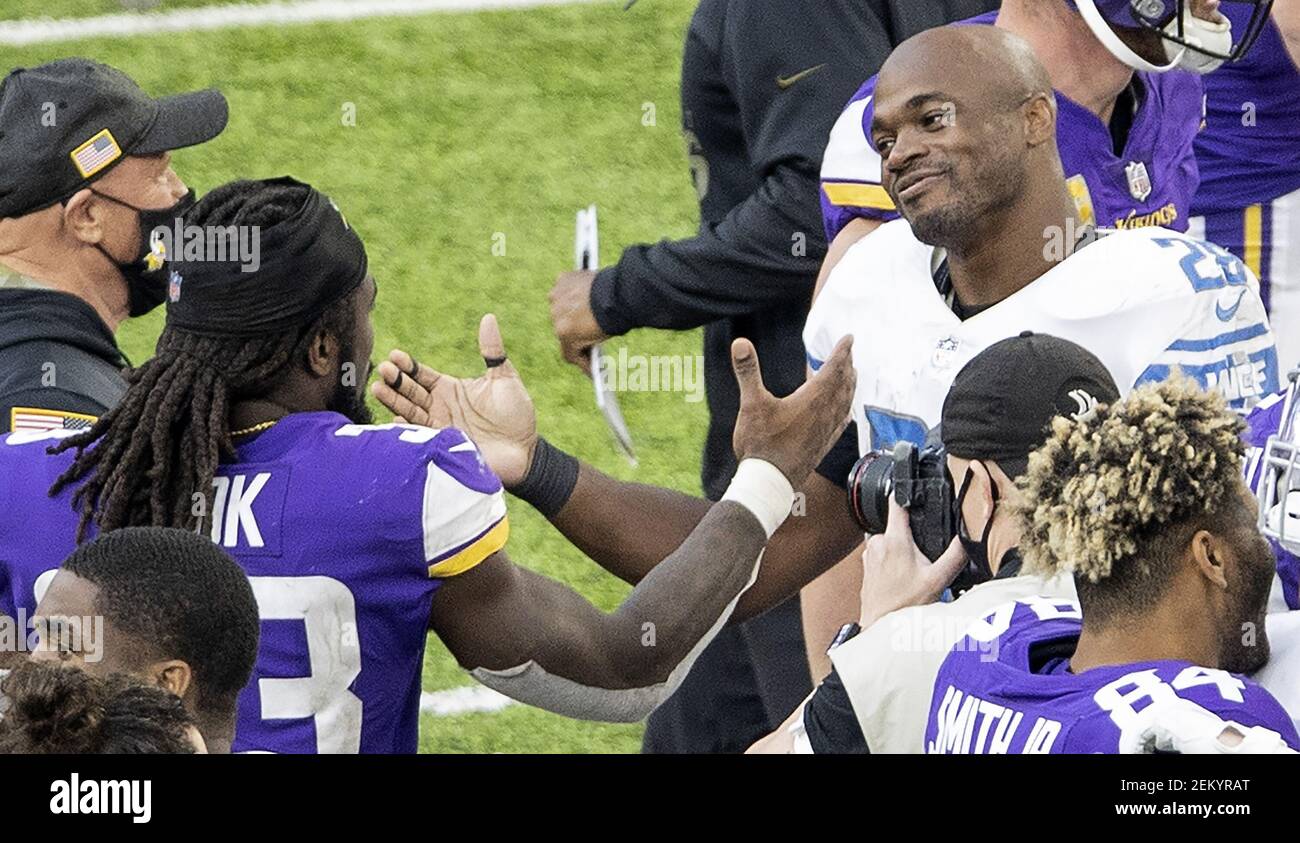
<point>1114,497</point>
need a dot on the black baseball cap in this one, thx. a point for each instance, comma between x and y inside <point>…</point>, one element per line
<point>1002,402</point>
<point>66,123</point>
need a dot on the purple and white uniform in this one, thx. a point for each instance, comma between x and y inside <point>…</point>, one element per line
<point>345,531</point>
<point>1006,688</point>
<point>1150,183</point>
<point>1249,158</point>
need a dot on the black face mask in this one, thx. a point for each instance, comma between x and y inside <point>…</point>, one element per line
<point>146,276</point>
<point>976,550</point>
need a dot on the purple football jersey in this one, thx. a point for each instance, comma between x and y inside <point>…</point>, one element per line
<point>1249,151</point>
<point>1006,688</point>
<point>1249,158</point>
<point>1150,183</point>
<point>345,531</point>
<point>1264,421</point>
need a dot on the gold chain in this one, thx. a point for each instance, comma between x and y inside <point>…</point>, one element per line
<point>257,428</point>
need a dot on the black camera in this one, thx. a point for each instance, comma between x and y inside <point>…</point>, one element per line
<point>918,479</point>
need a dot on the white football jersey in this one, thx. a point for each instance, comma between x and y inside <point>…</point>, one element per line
<point>1281,676</point>
<point>1143,300</point>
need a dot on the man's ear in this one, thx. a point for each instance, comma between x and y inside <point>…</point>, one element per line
<point>1040,119</point>
<point>989,473</point>
<point>173,675</point>
<point>1208,552</point>
<point>84,216</point>
<point>323,354</point>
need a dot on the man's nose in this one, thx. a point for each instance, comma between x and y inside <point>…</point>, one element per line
<point>907,149</point>
<point>175,186</point>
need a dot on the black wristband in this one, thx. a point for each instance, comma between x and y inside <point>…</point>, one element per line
<point>550,481</point>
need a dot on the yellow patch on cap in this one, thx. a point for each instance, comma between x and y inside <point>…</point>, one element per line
<point>96,154</point>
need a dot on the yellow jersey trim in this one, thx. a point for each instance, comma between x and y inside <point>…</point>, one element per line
<point>858,195</point>
<point>486,545</point>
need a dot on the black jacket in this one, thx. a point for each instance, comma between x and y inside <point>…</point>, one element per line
<point>755,147</point>
<point>55,354</point>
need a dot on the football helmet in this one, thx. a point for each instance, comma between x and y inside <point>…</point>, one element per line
<point>1278,490</point>
<point>1160,35</point>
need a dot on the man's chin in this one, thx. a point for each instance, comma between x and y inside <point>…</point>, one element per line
<point>1146,43</point>
<point>933,226</point>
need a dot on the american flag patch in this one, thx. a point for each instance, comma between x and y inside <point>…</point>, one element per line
<point>31,418</point>
<point>96,154</point>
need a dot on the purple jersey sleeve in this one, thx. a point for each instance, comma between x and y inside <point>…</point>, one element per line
<point>1249,151</point>
<point>850,175</point>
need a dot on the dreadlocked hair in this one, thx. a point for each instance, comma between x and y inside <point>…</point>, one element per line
<point>1114,499</point>
<point>158,449</point>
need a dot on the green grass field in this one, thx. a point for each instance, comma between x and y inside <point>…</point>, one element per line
<point>468,127</point>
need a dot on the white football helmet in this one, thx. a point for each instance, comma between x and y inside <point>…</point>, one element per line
<point>1160,35</point>
<point>1278,490</point>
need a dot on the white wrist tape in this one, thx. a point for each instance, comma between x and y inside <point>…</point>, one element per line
<point>761,488</point>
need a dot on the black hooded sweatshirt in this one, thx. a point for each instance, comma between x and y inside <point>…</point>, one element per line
<point>55,354</point>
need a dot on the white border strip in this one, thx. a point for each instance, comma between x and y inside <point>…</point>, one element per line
<point>469,699</point>
<point>23,32</point>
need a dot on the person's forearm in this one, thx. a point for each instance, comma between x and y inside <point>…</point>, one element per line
<point>569,658</point>
<point>627,528</point>
<point>690,592</point>
<point>764,253</point>
<point>810,542</point>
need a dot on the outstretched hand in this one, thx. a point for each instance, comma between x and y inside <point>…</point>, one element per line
<point>795,432</point>
<point>494,409</point>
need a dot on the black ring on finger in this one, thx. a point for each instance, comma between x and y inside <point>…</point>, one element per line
<point>493,362</point>
<point>415,369</point>
<point>397,384</point>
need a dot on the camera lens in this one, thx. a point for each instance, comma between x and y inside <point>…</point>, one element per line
<point>870,483</point>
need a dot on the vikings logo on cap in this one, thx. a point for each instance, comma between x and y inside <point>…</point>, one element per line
<point>157,252</point>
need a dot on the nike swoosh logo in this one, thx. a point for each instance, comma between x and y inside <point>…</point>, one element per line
<point>1225,315</point>
<point>784,82</point>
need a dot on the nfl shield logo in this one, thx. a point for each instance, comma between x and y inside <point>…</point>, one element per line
<point>944,351</point>
<point>1139,183</point>
<point>174,286</point>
